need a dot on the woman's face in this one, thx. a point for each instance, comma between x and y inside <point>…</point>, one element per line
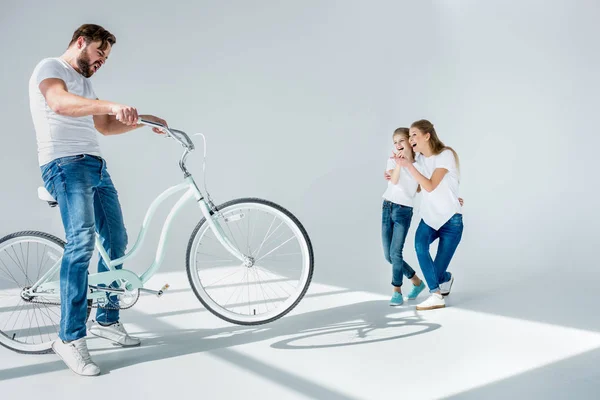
<point>418,140</point>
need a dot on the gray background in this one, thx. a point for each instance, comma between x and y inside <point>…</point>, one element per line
<point>299,100</point>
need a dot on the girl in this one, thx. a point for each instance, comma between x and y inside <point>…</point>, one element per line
<point>437,172</point>
<point>396,216</point>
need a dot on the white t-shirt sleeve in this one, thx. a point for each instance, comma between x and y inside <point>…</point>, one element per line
<point>446,160</point>
<point>50,68</point>
<point>391,164</point>
<point>418,164</point>
<point>418,167</point>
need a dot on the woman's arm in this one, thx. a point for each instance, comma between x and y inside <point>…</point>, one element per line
<point>428,185</point>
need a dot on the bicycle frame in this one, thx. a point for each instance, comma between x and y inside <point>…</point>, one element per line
<point>46,288</point>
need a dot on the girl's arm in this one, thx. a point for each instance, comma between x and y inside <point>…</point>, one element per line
<point>395,174</point>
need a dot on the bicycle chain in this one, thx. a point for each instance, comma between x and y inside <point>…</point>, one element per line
<point>106,306</point>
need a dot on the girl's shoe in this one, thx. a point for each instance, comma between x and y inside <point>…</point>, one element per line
<point>396,300</point>
<point>415,291</point>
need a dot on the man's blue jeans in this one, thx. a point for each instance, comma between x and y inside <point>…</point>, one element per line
<point>88,203</point>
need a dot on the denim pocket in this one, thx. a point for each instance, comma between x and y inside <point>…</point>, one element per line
<point>457,219</point>
<point>70,159</point>
<point>402,214</point>
<point>49,173</point>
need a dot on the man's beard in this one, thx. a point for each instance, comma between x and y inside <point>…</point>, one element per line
<point>83,62</point>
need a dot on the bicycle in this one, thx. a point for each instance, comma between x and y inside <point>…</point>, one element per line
<point>270,275</point>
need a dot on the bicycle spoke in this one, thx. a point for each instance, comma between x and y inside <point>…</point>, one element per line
<point>272,240</point>
<point>31,325</point>
<point>286,292</point>
<point>27,261</point>
<point>42,263</point>
<point>275,249</point>
<point>18,262</point>
<point>237,246</point>
<point>9,273</point>
<point>250,233</point>
<point>276,297</point>
<point>234,291</point>
<point>219,280</point>
<point>274,276</point>
<point>262,290</point>
<point>266,236</point>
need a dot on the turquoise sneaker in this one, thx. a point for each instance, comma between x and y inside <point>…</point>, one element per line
<point>415,291</point>
<point>396,300</point>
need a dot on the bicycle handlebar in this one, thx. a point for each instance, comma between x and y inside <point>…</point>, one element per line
<point>178,135</point>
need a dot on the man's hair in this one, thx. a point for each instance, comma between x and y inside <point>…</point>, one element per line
<point>94,33</point>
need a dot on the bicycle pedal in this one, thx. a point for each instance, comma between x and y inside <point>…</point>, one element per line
<point>163,289</point>
<point>158,293</point>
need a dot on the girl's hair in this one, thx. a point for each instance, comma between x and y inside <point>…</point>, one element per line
<point>437,146</point>
<point>404,132</point>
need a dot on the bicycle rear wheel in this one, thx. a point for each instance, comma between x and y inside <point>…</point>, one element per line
<point>28,325</point>
<point>275,278</point>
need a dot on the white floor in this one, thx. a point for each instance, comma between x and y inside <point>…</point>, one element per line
<point>337,344</point>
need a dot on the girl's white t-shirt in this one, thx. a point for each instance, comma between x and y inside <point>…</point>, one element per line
<point>439,205</point>
<point>405,190</point>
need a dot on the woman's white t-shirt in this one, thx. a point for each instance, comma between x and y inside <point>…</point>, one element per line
<point>439,205</point>
<point>404,191</point>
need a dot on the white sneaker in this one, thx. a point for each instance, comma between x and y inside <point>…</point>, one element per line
<point>115,333</point>
<point>434,301</point>
<point>77,357</point>
<point>446,286</point>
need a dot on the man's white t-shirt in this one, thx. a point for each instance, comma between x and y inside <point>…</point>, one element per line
<point>405,190</point>
<point>439,205</point>
<point>61,136</point>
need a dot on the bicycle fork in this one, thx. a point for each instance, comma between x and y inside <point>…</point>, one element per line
<point>221,236</point>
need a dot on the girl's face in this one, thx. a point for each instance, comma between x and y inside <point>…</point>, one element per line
<point>418,140</point>
<point>402,146</point>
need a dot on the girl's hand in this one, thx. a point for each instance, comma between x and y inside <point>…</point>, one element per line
<point>387,176</point>
<point>400,160</point>
<point>461,201</point>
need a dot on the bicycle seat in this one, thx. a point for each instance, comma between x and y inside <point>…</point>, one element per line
<point>45,195</point>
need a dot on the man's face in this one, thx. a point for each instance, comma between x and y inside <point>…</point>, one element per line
<point>91,58</point>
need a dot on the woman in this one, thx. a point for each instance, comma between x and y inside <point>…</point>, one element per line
<point>436,170</point>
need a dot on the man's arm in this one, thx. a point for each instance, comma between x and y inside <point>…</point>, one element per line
<point>123,119</point>
<point>68,104</point>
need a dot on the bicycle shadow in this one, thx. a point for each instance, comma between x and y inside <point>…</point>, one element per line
<point>348,325</point>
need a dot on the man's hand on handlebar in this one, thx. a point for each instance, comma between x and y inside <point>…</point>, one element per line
<point>125,114</point>
<point>129,116</point>
<point>157,120</point>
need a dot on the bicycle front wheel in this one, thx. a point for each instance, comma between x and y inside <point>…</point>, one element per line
<point>276,275</point>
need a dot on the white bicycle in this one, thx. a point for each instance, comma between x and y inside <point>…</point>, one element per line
<point>249,261</point>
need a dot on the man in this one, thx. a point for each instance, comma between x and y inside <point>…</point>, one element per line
<point>67,116</point>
